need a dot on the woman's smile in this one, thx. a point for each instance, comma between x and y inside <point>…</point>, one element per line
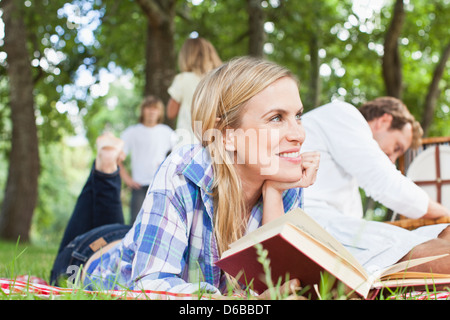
<point>291,155</point>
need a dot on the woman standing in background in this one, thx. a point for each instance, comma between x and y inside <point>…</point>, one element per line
<point>196,57</point>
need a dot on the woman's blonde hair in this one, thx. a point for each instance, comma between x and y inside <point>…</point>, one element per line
<point>219,102</point>
<point>198,55</point>
<point>152,101</point>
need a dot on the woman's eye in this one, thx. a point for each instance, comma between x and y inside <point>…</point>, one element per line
<point>298,116</point>
<point>276,118</point>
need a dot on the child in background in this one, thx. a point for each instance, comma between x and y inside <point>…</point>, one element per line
<point>148,143</point>
<point>197,56</point>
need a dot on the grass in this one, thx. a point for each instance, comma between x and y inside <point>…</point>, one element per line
<point>26,259</point>
<point>18,259</point>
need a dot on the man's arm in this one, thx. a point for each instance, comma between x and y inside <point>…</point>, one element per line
<point>436,210</point>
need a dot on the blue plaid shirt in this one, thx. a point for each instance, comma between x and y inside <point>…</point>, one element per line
<point>171,246</point>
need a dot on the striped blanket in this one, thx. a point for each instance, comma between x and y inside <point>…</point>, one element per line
<point>24,285</point>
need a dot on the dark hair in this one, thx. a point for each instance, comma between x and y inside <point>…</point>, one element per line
<point>400,116</point>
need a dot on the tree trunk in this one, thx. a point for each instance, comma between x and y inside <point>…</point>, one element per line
<point>392,68</point>
<point>160,49</point>
<point>433,91</point>
<point>256,21</point>
<point>22,183</point>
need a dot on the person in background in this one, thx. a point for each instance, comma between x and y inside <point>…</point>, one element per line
<point>249,169</point>
<point>147,143</point>
<point>206,196</point>
<point>97,212</point>
<point>358,150</point>
<point>196,57</point>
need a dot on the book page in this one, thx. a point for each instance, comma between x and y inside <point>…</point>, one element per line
<point>300,220</point>
<point>403,266</point>
<point>416,275</point>
<point>309,238</point>
<point>416,282</point>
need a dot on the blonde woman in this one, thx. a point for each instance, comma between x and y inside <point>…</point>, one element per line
<point>196,57</point>
<point>247,171</point>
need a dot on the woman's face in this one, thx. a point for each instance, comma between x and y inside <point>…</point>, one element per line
<point>267,143</point>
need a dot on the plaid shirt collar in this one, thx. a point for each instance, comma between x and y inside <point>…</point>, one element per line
<point>197,167</point>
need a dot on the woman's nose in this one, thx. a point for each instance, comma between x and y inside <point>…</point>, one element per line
<point>296,132</point>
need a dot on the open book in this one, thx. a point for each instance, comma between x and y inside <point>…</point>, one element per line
<point>298,247</point>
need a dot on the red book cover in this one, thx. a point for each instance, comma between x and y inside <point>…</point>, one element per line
<point>286,261</point>
<point>298,248</point>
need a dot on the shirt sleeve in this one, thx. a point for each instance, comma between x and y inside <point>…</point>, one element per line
<point>161,243</point>
<point>176,88</point>
<point>354,149</point>
<point>126,137</point>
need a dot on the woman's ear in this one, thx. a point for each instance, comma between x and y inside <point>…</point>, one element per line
<point>229,140</point>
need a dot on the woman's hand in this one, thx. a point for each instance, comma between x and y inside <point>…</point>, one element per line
<point>309,167</point>
<point>273,190</point>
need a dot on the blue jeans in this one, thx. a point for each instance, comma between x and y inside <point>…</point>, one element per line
<point>98,204</point>
<point>137,199</point>
<point>97,213</point>
<point>80,249</point>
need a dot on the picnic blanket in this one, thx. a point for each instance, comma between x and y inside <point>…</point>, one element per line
<point>37,287</point>
<point>24,285</point>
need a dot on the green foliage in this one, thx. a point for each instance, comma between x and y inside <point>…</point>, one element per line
<point>115,111</point>
<point>224,23</point>
<point>349,46</point>
<point>426,33</point>
<point>121,36</point>
<point>51,46</point>
<point>23,259</point>
<point>305,29</point>
<point>64,170</point>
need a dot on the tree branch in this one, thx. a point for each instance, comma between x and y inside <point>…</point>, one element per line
<point>156,10</point>
<point>392,71</point>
